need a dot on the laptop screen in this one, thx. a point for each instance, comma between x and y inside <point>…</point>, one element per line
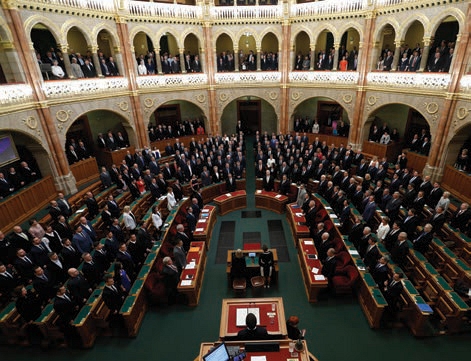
<point>219,353</point>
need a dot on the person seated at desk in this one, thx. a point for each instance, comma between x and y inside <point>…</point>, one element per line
<point>294,332</point>
<point>252,332</point>
<point>265,261</point>
<point>238,266</point>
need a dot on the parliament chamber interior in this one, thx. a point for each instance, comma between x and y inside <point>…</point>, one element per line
<point>168,168</point>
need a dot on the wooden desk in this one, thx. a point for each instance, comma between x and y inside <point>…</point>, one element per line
<point>312,285</point>
<point>253,268</point>
<point>297,222</point>
<point>275,325</point>
<point>416,161</point>
<point>371,300</point>
<point>457,183</point>
<point>390,151</point>
<point>281,355</point>
<point>271,201</point>
<point>107,157</point>
<point>231,201</point>
<point>205,225</point>
<point>134,308</point>
<point>194,274</point>
<point>85,171</point>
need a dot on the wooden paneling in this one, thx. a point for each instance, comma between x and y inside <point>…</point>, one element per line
<point>85,171</point>
<point>186,140</point>
<point>390,151</point>
<point>23,205</point>
<point>457,183</point>
<point>107,157</point>
<point>416,161</point>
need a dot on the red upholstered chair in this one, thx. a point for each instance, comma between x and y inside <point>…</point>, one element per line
<point>155,288</point>
<point>328,225</point>
<point>343,260</point>
<point>321,216</point>
<point>344,283</point>
<point>338,245</point>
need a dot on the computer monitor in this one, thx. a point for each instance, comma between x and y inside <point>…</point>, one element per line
<point>252,254</point>
<point>218,353</point>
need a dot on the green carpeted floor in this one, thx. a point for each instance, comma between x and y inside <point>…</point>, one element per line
<point>336,328</point>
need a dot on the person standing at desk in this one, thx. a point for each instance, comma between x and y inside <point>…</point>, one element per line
<point>252,332</point>
<point>238,267</point>
<point>265,261</point>
<point>294,332</point>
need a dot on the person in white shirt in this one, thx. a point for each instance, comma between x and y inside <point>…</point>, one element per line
<point>444,202</point>
<point>129,219</point>
<point>315,127</point>
<point>156,218</point>
<point>171,201</point>
<point>57,70</point>
<point>385,138</point>
<point>141,68</point>
<point>383,229</point>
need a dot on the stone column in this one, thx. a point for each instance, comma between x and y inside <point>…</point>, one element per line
<point>12,70</point>
<point>259,61</point>
<point>291,59</point>
<point>158,62</point>
<point>374,56</point>
<point>286,65</point>
<point>214,122</point>
<point>313,56</point>
<point>360,53</point>
<point>182,60</point>
<point>425,52</point>
<point>202,60</point>
<point>65,55</point>
<point>336,56</point>
<point>397,54</point>
<point>118,59</point>
<point>236,58</point>
<point>96,61</point>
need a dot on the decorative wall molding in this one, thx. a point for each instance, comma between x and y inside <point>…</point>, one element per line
<point>15,94</point>
<point>432,81</point>
<point>327,77</point>
<point>84,87</point>
<point>174,80</point>
<point>248,77</point>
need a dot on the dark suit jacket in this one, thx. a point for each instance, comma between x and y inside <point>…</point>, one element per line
<point>65,308</point>
<point>259,333</point>
<point>269,185</point>
<point>328,268</point>
<point>92,273</point>
<point>399,253</point>
<point>460,220</point>
<point>380,274</point>
<point>410,226</point>
<point>92,207</point>
<point>422,242</point>
<point>78,287</point>
<point>371,257</point>
<point>113,300</point>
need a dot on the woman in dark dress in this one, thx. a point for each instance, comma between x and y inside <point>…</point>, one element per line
<point>266,265</point>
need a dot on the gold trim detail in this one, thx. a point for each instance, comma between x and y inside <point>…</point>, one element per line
<point>63,115</point>
<point>347,98</point>
<point>148,102</point>
<point>124,106</point>
<point>431,108</point>
<point>31,122</point>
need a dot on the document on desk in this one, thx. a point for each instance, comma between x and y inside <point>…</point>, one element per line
<point>202,220</point>
<point>298,214</point>
<point>278,196</point>
<point>199,229</point>
<point>242,314</point>
<point>258,358</point>
<point>309,243</point>
<point>319,278</point>
<point>186,283</point>
<point>353,252</point>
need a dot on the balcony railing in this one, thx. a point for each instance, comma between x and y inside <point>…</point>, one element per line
<point>177,80</point>
<point>248,77</point>
<point>327,7</point>
<point>176,11</point>
<point>83,87</point>
<point>326,77</point>
<point>15,94</point>
<point>246,12</point>
<point>432,81</point>
<point>93,5</point>
<point>465,83</point>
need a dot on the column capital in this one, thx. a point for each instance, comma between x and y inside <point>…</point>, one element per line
<point>360,45</point>
<point>117,49</point>
<point>181,50</point>
<point>93,48</point>
<point>427,40</point>
<point>63,47</point>
<point>7,45</point>
<point>398,43</point>
<point>336,45</point>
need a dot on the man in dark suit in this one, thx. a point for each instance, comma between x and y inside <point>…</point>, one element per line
<point>252,332</point>
<point>370,209</point>
<point>391,238</point>
<point>392,290</point>
<point>64,205</point>
<point>171,279</point>
<point>438,219</point>
<point>410,223</point>
<point>70,255</point>
<point>393,206</point>
<point>113,298</point>
<point>324,245</point>
<point>364,241</point>
<point>113,207</point>
<point>56,269</point>
<point>8,281</point>
<point>268,182</point>
<point>92,205</point>
<point>82,241</point>
<point>20,239</point>
<point>434,195</point>
<point>372,254</point>
<point>179,255</point>
<point>117,231</point>
<point>285,185</point>
<point>400,250</point>
<point>380,271</point>
<point>63,228</point>
<point>423,240</point>
<point>65,306</point>
<point>78,287</point>
<point>230,183</point>
<point>91,271</point>
<point>461,217</point>
<point>54,210</point>
<point>329,265</point>
<point>42,283</point>
<point>126,259</point>
<point>311,214</point>
<point>38,253</point>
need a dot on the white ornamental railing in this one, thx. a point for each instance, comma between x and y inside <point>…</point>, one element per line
<point>434,81</point>
<point>15,94</point>
<point>84,87</point>
<point>465,83</point>
<point>246,12</point>
<point>177,80</point>
<point>177,11</point>
<point>327,7</point>
<point>94,5</point>
<point>327,77</point>
<point>248,77</point>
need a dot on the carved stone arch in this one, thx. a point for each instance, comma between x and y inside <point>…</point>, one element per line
<point>39,19</point>
<point>170,31</point>
<point>429,108</point>
<point>299,30</point>
<point>27,123</point>
<point>273,31</point>
<point>150,103</point>
<point>409,21</point>
<point>5,33</point>
<point>345,99</point>
<point>223,31</point>
<point>252,31</point>
<point>110,30</point>
<point>82,27</point>
<point>141,28</point>
<point>436,21</point>
<point>65,115</point>
<point>328,27</point>
<point>194,31</point>
<point>384,22</point>
<point>351,25</point>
